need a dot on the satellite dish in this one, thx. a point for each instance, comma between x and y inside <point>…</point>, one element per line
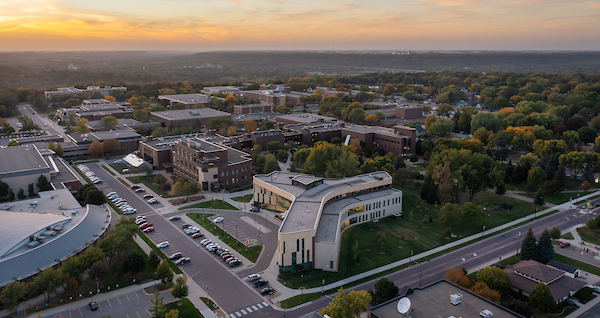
<point>403,305</point>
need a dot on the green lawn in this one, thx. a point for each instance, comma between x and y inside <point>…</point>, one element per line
<point>399,236</point>
<point>212,204</point>
<point>251,253</point>
<point>299,299</point>
<point>149,182</point>
<point>120,167</point>
<point>581,265</point>
<point>591,236</point>
<point>559,198</point>
<point>567,236</point>
<point>208,302</point>
<point>186,309</point>
<point>243,198</point>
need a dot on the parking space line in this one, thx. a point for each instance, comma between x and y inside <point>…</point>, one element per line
<point>136,295</point>
<point>80,312</point>
<point>108,301</point>
<point>127,297</point>
<point>119,301</point>
<point>232,316</point>
<point>138,314</point>
<point>99,306</point>
<point>70,314</point>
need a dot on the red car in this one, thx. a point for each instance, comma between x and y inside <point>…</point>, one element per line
<point>145,225</point>
<point>149,229</point>
<point>197,235</point>
<point>565,244</point>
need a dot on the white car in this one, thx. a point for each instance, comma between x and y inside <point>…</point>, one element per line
<point>218,219</point>
<point>152,201</point>
<point>129,211</point>
<point>163,244</point>
<point>192,230</point>
<point>253,277</point>
<point>140,221</point>
<point>595,288</point>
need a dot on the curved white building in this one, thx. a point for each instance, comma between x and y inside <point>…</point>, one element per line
<point>317,210</point>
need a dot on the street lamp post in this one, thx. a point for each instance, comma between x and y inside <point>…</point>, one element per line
<point>519,243</point>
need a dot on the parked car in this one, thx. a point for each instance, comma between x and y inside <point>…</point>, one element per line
<point>152,201</point>
<point>163,244</point>
<point>149,229</point>
<point>125,171</point>
<point>235,263</point>
<point>93,305</point>
<point>183,260</point>
<point>595,288</point>
<point>205,242</point>
<point>135,186</point>
<point>254,209</point>
<point>176,256</point>
<point>192,230</point>
<point>267,291</point>
<point>197,235</point>
<point>175,218</point>
<point>118,161</point>
<point>145,225</point>
<point>97,181</point>
<point>565,244</point>
<point>185,225</point>
<point>218,219</point>
<point>261,283</point>
<point>148,196</point>
<point>140,217</point>
<point>226,256</point>
<point>140,190</point>
<point>140,221</point>
<point>253,277</point>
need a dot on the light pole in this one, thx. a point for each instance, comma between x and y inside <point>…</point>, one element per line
<point>519,243</point>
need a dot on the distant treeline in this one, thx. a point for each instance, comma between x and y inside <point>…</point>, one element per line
<point>42,70</point>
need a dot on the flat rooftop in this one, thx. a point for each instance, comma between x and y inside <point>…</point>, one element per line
<point>23,159</point>
<point>191,113</point>
<point>434,301</point>
<point>303,213</point>
<point>314,127</point>
<point>371,130</point>
<point>305,118</point>
<point>123,123</point>
<point>188,99</point>
<point>116,134</point>
<point>256,117</point>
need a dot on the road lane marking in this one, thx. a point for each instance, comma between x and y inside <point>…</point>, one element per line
<point>264,303</point>
<point>248,309</point>
<point>243,311</point>
<point>232,316</point>
<point>259,306</point>
<point>238,314</point>
<point>254,307</point>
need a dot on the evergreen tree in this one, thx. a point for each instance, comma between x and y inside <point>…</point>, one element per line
<point>180,289</point>
<point>529,246</point>
<point>539,198</point>
<point>545,248</point>
<point>429,191</point>
<point>21,194</point>
<point>384,290</point>
<point>31,190</point>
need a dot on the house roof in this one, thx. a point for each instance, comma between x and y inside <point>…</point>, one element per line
<point>537,270</point>
<point>562,266</point>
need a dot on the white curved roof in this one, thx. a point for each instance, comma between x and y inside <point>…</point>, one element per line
<point>18,226</point>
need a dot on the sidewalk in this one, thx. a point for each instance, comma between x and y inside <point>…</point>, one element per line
<point>584,308</point>
<point>288,292</point>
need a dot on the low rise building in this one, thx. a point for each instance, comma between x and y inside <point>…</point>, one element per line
<point>127,138</point>
<point>303,118</point>
<point>252,108</point>
<point>72,91</point>
<point>214,166</point>
<point>409,112</point>
<point>187,117</point>
<point>440,299</point>
<point>310,133</point>
<point>262,138</point>
<point>397,141</point>
<point>225,90</point>
<point>316,211</point>
<point>187,100</point>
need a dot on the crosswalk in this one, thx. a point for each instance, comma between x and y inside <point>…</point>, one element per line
<point>249,309</point>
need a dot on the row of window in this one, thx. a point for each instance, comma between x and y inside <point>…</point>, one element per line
<point>236,171</point>
<point>380,204</point>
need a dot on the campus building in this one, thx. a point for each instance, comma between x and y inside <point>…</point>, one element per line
<point>408,112</point>
<point>225,90</point>
<point>187,117</point>
<point>214,166</point>
<point>187,100</point>
<point>72,91</point>
<point>252,108</point>
<point>400,140</point>
<point>316,211</point>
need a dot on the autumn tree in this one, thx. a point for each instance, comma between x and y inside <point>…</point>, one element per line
<point>384,290</point>
<point>109,122</point>
<point>347,305</point>
<point>458,277</point>
<point>164,272</point>
<point>495,278</point>
<point>12,294</point>
<point>111,145</point>
<point>95,149</point>
<point>82,126</point>
<point>482,289</point>
<point>250,125</point>
<point>541,298</point>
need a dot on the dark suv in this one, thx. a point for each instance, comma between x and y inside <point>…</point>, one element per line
<point>261,283</point>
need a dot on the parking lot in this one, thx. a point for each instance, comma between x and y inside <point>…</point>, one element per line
<point>130,305</point>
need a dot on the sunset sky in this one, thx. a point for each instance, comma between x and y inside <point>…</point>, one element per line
<point>201,25</point>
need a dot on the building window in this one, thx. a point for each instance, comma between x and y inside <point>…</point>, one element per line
<point>283,247</point>
<point>294,260</point>
<point>330,264</point>
<point>297,245</point>
<point>303,245</point>
<point>308,255</point>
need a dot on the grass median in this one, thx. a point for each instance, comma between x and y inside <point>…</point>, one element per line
<point>243,198</point>
<point>212,204</point>
<point>251,253</point>
<point>158,251</point>
<point>185,307</point>
<point>147,181</point>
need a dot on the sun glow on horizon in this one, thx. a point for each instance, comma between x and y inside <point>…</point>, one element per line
<point>270,24</point>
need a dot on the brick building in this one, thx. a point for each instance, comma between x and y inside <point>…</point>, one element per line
<point>397,141</point>
<point>408,112</point>
<point>187,117</point>
<point>252,108</point>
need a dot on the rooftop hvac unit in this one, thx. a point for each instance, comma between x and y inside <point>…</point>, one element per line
<point>455,299</point>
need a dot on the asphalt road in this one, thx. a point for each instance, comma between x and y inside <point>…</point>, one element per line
<point>210,272</point>
<point>235,295</point>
